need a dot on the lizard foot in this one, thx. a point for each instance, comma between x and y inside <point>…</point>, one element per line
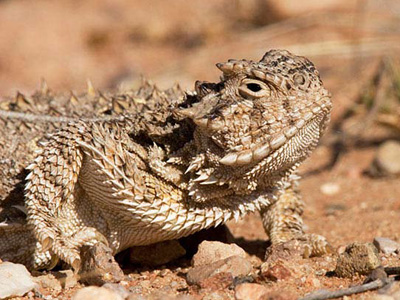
<point>99,266</point>
<point>68,248</point>
<point>304,246</point>
<point>315,245</point>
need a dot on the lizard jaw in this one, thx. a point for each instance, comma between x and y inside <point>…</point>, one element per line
<point>262,150</point>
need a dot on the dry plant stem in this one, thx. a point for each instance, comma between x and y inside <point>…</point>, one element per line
<point>368,286</point>
<point>324,294</point>
<point>29,117</point>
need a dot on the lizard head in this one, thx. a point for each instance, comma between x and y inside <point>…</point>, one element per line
<point>262,118</point>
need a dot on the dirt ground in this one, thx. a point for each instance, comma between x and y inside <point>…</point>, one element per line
<point>116,42</point>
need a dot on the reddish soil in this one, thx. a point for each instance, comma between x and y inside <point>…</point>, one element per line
<point>115,42</point>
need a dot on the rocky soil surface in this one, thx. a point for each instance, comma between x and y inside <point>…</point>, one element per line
<point>350,184</point>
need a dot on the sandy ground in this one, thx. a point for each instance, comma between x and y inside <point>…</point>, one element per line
<point>116,42</point>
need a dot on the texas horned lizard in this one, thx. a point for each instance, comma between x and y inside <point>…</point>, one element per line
<point>165,164</point>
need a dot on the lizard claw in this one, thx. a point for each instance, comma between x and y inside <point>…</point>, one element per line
<point>47,243</point>
<point>316,245</point>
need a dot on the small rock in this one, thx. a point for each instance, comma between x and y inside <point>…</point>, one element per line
<point>15,280</point>
<point>156,254</point>
<point>358,258</point>
<point>67,278</point>
<point>210,252</point>
<point>217,282</point>
<point>250,291</point>
<point>220,233</point>
<point>236,265</point>
<point>275,271</point>
<point>330,188</point>
<point>48,281</point>
<point>386,246</point>
<point>118,289</point>
<point>387,160</point>
<point>99,266</point>
<point>98,293</point>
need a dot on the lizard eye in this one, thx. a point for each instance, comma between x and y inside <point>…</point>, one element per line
<point>253,89</point>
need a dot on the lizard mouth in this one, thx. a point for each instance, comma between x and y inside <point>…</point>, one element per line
<point>262,150</point>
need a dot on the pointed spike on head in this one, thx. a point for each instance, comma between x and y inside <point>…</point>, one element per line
<point>226,68</point>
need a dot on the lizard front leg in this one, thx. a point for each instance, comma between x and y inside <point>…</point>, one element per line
<point>283,222</point>
<point>51,197</point>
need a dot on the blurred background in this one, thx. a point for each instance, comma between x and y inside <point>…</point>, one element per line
<point>354,43</point>
<point>113,42</point>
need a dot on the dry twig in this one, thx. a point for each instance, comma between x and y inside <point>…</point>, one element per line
<point>377,279</point>
<point>325,294</point>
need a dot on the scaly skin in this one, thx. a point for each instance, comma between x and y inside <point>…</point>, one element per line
<point>176,166</point>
